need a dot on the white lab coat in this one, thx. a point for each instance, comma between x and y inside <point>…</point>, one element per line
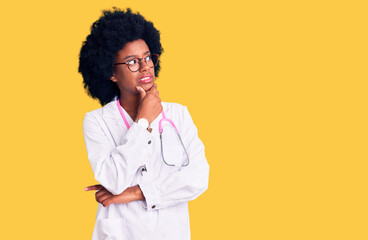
<point>117,156</point>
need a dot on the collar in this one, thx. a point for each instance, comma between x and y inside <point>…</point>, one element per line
<point>110,110</point>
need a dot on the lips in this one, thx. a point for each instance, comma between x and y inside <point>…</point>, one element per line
<point>146,79</point>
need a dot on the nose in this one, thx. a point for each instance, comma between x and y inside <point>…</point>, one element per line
<point>144,66</point>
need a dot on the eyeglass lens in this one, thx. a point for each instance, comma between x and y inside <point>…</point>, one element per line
<point>135,64</point>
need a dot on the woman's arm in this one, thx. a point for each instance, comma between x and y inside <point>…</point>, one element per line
<point>170,188</point>
<point>106,198</point>
<point>179,186</point>
<point>115,167</point>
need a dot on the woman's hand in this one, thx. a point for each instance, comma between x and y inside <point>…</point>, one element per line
<point>106,198</point>
<point>150,106</point>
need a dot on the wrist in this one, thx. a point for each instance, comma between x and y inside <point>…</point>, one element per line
<point>143,122</point>
<point>138,193</point>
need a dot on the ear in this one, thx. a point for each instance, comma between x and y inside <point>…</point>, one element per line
<point>113,78</point>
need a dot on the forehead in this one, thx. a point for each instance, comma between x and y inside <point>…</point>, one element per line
<point>136,48</point>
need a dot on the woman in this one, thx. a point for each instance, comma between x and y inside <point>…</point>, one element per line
<point>146,178</point>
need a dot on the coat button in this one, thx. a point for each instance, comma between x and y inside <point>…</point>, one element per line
<point>153,207</point>
<point>149,142</point>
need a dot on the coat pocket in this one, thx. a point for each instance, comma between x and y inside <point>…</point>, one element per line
<point>112,229</point>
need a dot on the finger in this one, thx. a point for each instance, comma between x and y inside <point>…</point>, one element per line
<point>94,187</point>
<point>141,91</point>
<point>109,201</point>
<point>99,196</point>
<point>153,89</point>
<point>101,192</point>
<point>102,198</point>
<point>154,86</point>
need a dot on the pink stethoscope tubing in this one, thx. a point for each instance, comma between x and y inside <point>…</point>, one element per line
<point>164,118</point>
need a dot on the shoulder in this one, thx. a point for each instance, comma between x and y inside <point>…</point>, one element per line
<point>178,113</point>
<point>172,106</point>
<point>174,109</point>
<point>105,111</point>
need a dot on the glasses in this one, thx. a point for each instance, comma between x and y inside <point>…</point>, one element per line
<point>135,64</point>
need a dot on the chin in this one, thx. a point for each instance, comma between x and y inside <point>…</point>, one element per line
<point>148,86</point>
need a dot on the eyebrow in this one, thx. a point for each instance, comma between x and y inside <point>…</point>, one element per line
<point>130,56</point>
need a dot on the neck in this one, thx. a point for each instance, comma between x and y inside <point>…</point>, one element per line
<point>130,105</point>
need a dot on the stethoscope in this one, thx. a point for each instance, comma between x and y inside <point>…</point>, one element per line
<point>160,129</point>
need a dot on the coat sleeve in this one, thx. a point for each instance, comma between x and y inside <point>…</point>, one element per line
<point>179,186</point>
<point>114,167</point>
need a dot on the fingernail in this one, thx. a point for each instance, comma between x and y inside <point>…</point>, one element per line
<point>86,189</point>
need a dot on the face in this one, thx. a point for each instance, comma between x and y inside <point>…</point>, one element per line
<point>128,80</point>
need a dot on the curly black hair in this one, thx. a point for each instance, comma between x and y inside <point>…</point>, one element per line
<point>108,35</point>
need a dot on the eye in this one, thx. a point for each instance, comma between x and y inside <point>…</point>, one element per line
<point>132,62</point>
<point>148,58</point>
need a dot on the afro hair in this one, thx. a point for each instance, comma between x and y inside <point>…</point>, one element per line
<point>108,35</point>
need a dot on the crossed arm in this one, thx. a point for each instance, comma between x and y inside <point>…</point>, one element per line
<point>115,167</point>
<point>106,198</point>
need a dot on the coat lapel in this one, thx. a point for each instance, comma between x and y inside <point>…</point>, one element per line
<point>115,122</point>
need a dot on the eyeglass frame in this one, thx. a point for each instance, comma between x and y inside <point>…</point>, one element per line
<point>140,62</point>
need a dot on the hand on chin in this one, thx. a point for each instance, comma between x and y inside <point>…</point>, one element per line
<point>146,87</point>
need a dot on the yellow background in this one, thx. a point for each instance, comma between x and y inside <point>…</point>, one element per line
<point>277,89</point>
